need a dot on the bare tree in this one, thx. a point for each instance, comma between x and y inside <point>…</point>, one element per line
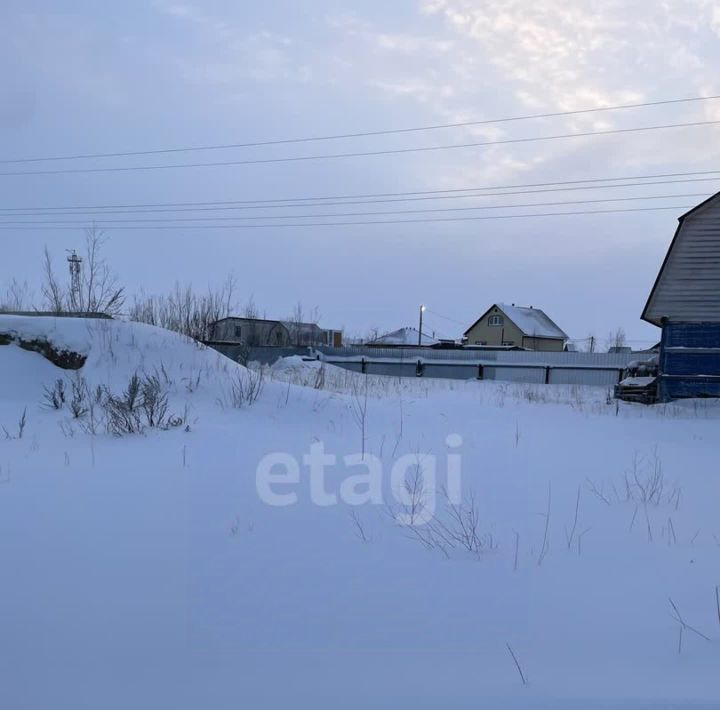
<point>100,291</point>
<point>295,322</point>
<point>185,311</point>
<point>17,297</point>
<point>252,333</point>
<point>250,309</point>
<point>372,335</point>
<point>616,339</point>
<point>95,291</point>
<point>51,289</point>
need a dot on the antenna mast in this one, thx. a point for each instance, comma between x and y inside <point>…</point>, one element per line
<point>75,264</point>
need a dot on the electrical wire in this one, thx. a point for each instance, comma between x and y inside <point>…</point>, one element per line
<point>11,226</point>
<point>572,185</point>
<point>361,134</point>
<point>357,154</point>
<point>563,203</point>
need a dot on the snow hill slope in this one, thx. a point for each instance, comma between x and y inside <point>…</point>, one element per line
<point>146,571</point>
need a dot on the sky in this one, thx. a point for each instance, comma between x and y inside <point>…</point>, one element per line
<point>87,77</point>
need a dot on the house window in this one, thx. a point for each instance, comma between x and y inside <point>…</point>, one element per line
<point>495,320</point>
<point>238,331</point>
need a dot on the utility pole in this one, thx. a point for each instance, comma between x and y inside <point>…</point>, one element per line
<point>75,263</point>
<point>422,310</point>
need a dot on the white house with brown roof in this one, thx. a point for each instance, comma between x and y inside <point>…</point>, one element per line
<point>504,325</point>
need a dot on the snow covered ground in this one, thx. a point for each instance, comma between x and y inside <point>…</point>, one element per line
<point>146,571</point>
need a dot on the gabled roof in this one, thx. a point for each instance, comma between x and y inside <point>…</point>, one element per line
<point>705,203</point>
<point>404,336</point>
<point>533,322</point>
<point>287,323</point>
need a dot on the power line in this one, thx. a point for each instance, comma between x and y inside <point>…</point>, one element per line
<point>581,184</point>
<point>451,320</point>
<point>9,226</point>
<point>357,154</point>
<point>562,203</point>
<point>361,134</point>
<point>40,212</point>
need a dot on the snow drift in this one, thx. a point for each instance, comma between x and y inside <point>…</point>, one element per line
<point>145,571</point>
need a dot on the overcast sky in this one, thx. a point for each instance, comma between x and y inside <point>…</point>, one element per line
<point>88,77</point>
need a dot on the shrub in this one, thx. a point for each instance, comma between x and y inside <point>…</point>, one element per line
<point>54,397</point>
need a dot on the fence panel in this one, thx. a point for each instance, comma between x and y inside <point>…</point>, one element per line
<point>598,369</point>
<point>585,376</point>
<point>529,375</point>
<point>452,371</point>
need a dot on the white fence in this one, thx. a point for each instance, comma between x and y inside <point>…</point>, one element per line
<point>599,369</point>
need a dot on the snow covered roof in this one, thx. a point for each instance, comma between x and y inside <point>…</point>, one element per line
<point>533,322</point>
<point>404,336</point>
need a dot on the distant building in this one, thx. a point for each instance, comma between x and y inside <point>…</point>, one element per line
<point>403,337</point>
<point>516,326</point>
<point>685,303</point>
<point>254,332</point>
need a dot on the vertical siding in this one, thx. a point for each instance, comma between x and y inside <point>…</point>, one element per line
<point>688,288</point>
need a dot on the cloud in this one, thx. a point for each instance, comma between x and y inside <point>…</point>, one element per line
<point>231,54</point>
<point>571,55</point>
<point>472,59</point>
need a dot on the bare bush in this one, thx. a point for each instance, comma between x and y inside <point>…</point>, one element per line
<point>54,396</point>
<point>17,297</point>
<point>154,401</point>
<point>643,484</point>
<point>185,311</point>
<point>22,423</point>
<point>245,388</point>
<point>80,397</point>
<point>416,494</point>
<point>456,527</point>
<point>319,382</point>
<point>123,411</point>
<point>358,408</point>
<point>143,404</point>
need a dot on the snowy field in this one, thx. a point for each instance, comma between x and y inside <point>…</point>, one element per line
<point>578,568</point>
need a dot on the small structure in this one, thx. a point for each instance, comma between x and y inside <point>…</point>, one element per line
<point>403,338</point>
<point>685,303</point>
<point>516,326</point>
<point>254,332</point>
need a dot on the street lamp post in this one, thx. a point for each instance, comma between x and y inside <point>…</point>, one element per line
<point>422,310</point>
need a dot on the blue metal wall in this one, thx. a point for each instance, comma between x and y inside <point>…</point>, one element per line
<point>689,360</point>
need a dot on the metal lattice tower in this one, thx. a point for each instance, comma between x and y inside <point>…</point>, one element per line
<point>75,264</point>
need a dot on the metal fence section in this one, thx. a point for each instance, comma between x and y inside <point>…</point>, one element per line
<point>599,369</point>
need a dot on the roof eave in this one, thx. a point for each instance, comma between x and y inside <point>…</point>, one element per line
<point>644,316</point>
